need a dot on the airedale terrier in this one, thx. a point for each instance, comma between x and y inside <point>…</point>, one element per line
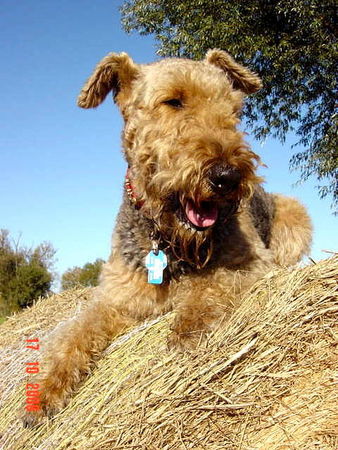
<point>195,229</point>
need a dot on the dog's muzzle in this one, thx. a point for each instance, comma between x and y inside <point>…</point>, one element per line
<point>223,182</point>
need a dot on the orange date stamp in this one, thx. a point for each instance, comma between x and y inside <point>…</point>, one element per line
<point>32,389</point>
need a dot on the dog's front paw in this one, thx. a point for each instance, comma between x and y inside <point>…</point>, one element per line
<point>30,419</point>
<point>186,335</point>
<point>51,402</point>
<point>186,341</point>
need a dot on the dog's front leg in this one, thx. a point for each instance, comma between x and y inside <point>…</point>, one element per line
<point>122,299</point>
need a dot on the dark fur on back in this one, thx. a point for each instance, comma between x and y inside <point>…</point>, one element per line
<point>262,210</point>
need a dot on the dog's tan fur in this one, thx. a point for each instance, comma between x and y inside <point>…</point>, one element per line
<point>181,120</point>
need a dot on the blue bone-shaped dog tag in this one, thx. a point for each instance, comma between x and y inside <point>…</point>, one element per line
<point>156,265</point>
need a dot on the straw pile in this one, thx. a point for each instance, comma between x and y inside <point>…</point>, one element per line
<point>268,380</point>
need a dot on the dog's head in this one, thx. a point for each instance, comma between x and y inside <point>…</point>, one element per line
<point>189,164</point>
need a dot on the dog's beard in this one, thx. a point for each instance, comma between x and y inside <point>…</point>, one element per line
<point>186,226</point>
<point>192,246</point>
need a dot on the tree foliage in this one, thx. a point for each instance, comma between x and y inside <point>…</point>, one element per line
<point>292,44</point>
<point>86,276</point>
<point>25,274</point>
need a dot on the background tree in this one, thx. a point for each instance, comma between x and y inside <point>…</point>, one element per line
<point>86,276</point>
<point>292,44</point>
<point>25,274</point>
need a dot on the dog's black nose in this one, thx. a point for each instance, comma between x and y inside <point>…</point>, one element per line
<point>224,179</point>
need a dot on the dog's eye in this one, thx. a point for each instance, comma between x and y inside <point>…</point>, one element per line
<point>174,102</point>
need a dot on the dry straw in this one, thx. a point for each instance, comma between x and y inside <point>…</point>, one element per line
<point>266,380</point>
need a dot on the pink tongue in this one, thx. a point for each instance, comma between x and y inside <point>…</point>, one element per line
<point>202,217</point>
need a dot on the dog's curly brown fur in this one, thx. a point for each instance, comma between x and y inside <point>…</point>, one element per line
<point>197,195</point>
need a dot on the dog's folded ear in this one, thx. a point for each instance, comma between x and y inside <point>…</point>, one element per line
<point>240,77</point>
<point>115,72</point>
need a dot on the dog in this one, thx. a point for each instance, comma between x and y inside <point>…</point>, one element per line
<point>195,229</point>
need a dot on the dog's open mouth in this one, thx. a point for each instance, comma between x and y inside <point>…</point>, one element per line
<point>200,216</point>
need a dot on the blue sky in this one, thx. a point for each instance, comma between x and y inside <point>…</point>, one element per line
<point>61,166</point>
